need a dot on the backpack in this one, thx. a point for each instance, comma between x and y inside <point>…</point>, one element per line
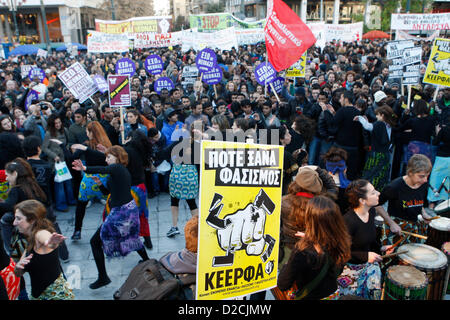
<point>150,280</point>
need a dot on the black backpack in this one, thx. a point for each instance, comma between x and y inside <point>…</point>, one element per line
<point>150,280</point>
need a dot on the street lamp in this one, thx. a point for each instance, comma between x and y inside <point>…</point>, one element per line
<point>12,6</point>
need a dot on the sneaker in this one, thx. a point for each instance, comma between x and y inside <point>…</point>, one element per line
<point>103,202</point>
<point>76,235</point>
<point>173,231</point>
<point>89,204</point>
<point>100,283</point>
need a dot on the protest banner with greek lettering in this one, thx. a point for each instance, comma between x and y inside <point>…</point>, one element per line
<point>32,95</point>
<point>218,21</point>
<point>277,84</point>
<point>239,220</point>
<point>222,39</point>
<point>119,90</point>
<point>78,81</point>
<point>25,70</point>
<point>99,42</point>
<point>206,60</point>
<point>412,58</point>
<point>438,68</point>
<point>265,73</point>
<point>163,83</point>
<point>394,54</point>
<point>189,75</point>
<point>298,69</point>
<point>212,77</point>
<point>157,24</point>
<point>417,21</point>
<point>145,40</point>
<point>154,64</point>
<point>101,83</point>
<point>36,72</point>
<point>344,32</point>
<point>126,66</point>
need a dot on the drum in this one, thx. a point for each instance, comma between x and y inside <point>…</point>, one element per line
<point>379,224</point>
<point>438,232</point>
<point>405,283</point>
<point>443,208</point>
<point>429,260</point>
<point>446,250</point>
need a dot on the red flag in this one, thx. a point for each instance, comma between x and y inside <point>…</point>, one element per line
<point>287,36</point>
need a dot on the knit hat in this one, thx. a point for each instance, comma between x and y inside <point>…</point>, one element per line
<point>379,95</point>
<point>169,112</point>
<point>300,91</point>
<point>309,180</point>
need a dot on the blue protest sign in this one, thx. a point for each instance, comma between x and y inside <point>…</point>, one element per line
<point>277,84</point>
<point>163,83</point>
<point>125,66</point>
<point>212,77</point>
<point>36,72</point>
<point>101,83</point>
<point>154,64</point>
<point>265,73</point>
<point>206,60</point>
<point>32,95</point>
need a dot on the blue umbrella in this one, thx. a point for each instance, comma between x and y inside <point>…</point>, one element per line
<point>23,50</point>
<point>74,44</point>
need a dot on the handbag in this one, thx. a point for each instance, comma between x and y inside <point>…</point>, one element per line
<point>62,172</point>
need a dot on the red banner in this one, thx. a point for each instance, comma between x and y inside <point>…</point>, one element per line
<point>287,36</point>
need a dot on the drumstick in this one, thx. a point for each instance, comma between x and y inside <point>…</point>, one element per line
<point>393,254</point>
<point>397,243</point>
<point>415,235</point>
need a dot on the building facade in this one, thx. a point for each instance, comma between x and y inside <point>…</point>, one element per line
<point>67,21</point>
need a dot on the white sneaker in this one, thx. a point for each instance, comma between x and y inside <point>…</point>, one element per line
<point>89,204</point>
<point>103,201</point>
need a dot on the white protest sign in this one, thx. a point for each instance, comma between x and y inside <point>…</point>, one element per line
<point>189,75</point>
<point>249,36</point>
<point>411,63</point>
<point>394,49</point>
<point>223,40</point>
<point>344,32</point>
<point>99,42</point>
<point>42,53</point>
<point>427,21</point>
<point>78,81</point>
<point>25,70</point>
<point>318,30</point>
<point>144,40</point>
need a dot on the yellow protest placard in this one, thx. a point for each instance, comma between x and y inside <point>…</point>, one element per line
<point>438,68</point>
<point>298,69</point>
<point>239,219</point>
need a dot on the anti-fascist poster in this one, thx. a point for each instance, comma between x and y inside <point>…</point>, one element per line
<point>438,68</point>
<point>298,69</point>
<point>119,90</point>
<point>239,220</point>
<point>158,24</point>
<point>78,81</point>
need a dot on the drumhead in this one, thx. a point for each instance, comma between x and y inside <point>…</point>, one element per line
<point>442,207</point>
<point>379,220</point>
<point>446,248</point>
<point>407,276</point>
<point>442,224</point>
<point>423,256</point>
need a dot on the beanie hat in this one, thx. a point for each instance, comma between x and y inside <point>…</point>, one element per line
<point>309,180</point>
<point>379,95</point>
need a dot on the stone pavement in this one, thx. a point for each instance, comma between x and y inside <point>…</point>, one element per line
<point>80,270</point>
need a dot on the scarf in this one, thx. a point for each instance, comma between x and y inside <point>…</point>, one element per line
<point>305,194</point>
<point>339,167</point>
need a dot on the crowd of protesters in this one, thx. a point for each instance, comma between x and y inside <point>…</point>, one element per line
<point>352,142</point>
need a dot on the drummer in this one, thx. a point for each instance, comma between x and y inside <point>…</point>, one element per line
<point>362,274</point>
<point>406,197</point>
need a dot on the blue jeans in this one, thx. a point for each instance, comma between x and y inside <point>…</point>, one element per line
<point>155,181</point>
<point>314,151</point>
<point>64,195</point>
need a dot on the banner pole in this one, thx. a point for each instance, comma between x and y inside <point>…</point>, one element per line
<point>215,91</point>
<point>122,132</point>
<point>409,96</point>
<point>274,91</point>
<point>436,93</point>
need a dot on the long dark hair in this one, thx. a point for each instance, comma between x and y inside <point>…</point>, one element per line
<point>326,228</point>
<point>26,179</point>
<point>51,125</point>
<point>141,144</point>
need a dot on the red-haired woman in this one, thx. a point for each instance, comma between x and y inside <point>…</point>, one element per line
<point>119,233</point>
<point>88,188</point>
<point>318,258</point>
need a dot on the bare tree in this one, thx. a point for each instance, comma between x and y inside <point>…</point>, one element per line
<point>125,9</point>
